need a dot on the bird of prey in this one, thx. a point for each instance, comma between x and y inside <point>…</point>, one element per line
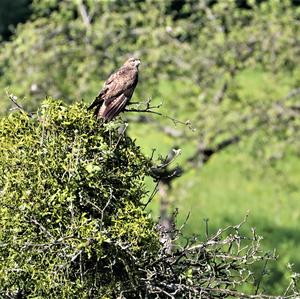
<point>117,91</point>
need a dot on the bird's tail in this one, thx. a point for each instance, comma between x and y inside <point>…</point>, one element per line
<point>96,102</point>
<point>97,111</point>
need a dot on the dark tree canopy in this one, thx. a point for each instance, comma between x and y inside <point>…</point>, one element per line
<point>12,13</point>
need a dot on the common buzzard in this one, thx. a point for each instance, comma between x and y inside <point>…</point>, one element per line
<point>117,91</point>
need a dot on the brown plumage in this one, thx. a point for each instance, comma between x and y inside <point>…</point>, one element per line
<point>117,91</point>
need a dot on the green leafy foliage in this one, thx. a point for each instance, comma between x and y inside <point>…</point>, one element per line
<point>230,71</point>
<point>73,223</point>
<point>71,217</point>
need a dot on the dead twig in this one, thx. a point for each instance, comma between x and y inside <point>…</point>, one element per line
<point>148,109</point>
<point>14,98</point>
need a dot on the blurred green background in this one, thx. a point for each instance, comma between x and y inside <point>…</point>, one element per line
<point>229,67</point>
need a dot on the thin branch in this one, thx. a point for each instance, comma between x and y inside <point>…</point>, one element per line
<point>175,121</point>
<point>82,11</point>
<point>152,194</point>
<point>13,98</point>
<point>263,272</point>
<point>148,109</point>
<point>291,94</point>
<point>245,296</point>
<point>207,152</point>
<point>121,135</point>
<point>168,130</point>
<point>219,95</point>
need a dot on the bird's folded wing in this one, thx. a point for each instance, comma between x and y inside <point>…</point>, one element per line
<point>114,107</point>
<point>122,81</point>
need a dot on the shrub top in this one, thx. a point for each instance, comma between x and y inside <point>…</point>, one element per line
<point>70,201</point>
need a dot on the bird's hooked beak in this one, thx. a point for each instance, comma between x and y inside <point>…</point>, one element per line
<point>137,63</point>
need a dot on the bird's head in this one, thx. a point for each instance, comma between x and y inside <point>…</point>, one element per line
<point>133,62</point>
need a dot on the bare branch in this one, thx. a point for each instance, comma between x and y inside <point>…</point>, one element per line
<point>83,12</point>
<point>148,109</point>
<point>13,98</point>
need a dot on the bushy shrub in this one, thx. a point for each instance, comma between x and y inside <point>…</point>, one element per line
<point>73,223</point>
<point>71,219</point>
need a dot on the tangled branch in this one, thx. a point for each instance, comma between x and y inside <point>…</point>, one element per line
<point>147,108</point>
